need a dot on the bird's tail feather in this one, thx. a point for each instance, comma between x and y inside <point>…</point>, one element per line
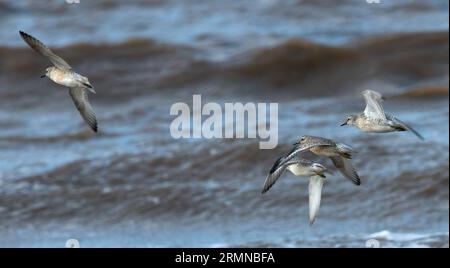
<point>345,150</point>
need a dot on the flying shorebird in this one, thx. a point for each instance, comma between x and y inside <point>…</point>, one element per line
<point>339,153</point>
<point>301,167</point>
<point>62,74</point>
<point>373,119</point>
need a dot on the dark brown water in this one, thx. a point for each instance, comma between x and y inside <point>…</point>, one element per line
<point>132,184</point>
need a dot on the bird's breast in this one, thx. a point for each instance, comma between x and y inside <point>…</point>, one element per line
<point>376,127</point>
<point>63,78</point>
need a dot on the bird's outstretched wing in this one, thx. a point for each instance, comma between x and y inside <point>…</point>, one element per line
<point>80,99</point>
<point>303,147</point>
<point>346,168</point>
<point>373,109</point>
<point>45,51</point>
<point>315,195</point>
<point>278,170</point>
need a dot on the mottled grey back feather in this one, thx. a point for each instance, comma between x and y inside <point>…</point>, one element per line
<point>306,146</point>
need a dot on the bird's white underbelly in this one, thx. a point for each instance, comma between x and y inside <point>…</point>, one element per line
<point>68,82</point>
<point>377,128</point>
<point>298,170</point>
<point>65,79</point>
<point>376,125</point>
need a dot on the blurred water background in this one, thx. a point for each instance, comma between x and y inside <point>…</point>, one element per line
<point>133,185</point>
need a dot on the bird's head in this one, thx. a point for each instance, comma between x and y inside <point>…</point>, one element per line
<point>48,71</point>
<point>350,120</point>
<point>318,168</point>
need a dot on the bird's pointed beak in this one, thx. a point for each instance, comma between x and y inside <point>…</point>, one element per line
<point>344,124</point>
<point>42,76</point>
<point>296,143</point>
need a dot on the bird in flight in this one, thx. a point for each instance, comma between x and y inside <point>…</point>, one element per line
<point>301,167</point>
<point>339,153</point>
<point>61,73</point>
<point>374,119</point>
